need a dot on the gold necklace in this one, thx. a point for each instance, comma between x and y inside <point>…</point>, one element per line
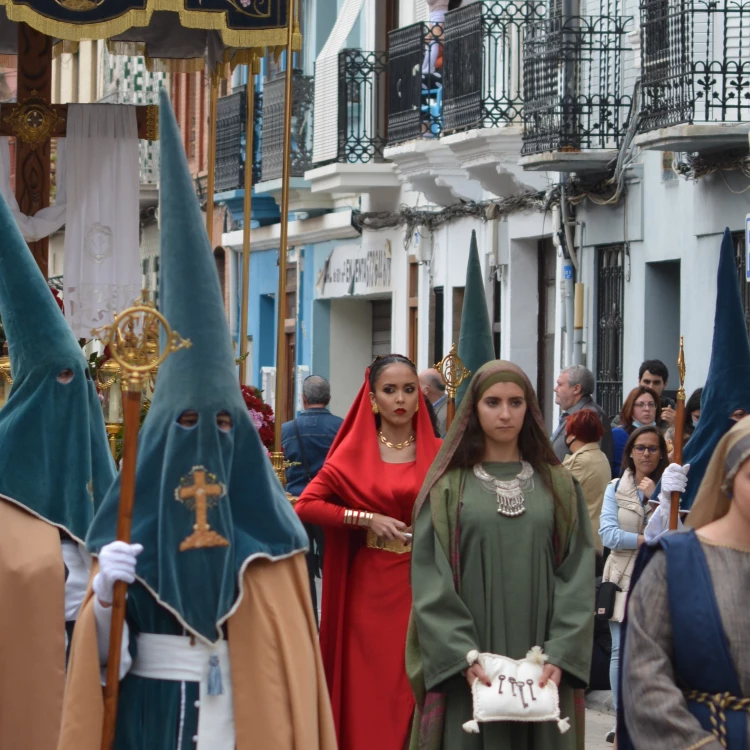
<point>396,446</point>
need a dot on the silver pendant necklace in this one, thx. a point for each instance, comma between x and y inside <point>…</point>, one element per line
<point>510,499</point>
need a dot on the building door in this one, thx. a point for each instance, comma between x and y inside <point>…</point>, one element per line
<point>610,297</point>
<point>546,370</point>
<point>381,327</point>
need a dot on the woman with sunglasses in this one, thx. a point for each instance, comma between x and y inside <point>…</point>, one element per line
<point>642,407</point>
<point>625,513</point>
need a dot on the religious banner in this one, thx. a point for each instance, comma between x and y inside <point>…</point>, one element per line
<point>102,272</point>
<point>241,23</point>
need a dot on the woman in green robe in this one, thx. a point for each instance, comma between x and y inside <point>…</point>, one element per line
<point>502,560</point>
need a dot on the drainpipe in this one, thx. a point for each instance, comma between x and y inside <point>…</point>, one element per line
<point>578,326</point>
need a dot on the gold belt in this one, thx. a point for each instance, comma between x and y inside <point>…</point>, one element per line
<point>389,545</point>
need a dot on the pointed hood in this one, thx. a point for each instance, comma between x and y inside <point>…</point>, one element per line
<point>475,345</point>
<point>728,384</point>
<point>248,511</point>
<point>54,457</point>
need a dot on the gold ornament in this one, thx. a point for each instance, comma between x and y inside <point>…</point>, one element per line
<point>34,121</point>
<point>375,409</point>
<point>395,446</point>
<point>202,492</point>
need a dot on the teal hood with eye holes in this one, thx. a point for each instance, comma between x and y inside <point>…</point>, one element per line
<point>180,470</point>
<point>54,457</point>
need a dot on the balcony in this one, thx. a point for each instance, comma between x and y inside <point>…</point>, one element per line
<point>483,93</point>
<point>231,116</point>
<point>575,109</point>
<point>695,68</point>
<point>272,146</point>
<point>350,138</point>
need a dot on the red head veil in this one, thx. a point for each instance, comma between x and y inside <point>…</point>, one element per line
<point>352,469</point>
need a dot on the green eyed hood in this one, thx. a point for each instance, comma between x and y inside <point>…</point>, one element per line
<point>247,507</point>
<point>54,457</point>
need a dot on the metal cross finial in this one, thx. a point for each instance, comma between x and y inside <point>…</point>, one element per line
<point>453,371</point>
<point>133,340</point>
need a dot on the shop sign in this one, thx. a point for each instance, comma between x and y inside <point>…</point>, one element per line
<point>352,270</point>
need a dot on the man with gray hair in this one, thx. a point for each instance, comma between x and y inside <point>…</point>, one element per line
<point>305,441</point>
<point>432,385</point>
<point>573,392</point>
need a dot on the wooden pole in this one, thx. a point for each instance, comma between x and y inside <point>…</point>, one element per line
<point>278,456</point>
<point>131,399</point>
<point>33,160</point>
<point>679,433</point>
<point>211,181</point>
<point>248,212</point>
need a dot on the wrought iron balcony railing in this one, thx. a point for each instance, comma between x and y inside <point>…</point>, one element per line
<point>572,78</point>
<point>415,93</point>
<point>362,92</point>
<point>273,126</point>
<point>231,114</point>
<point>482,62</point>
<point>695,62</point>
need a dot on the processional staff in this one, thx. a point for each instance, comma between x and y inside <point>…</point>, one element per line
<point>454,373</point>
<point>133,340</point>
<point>679,433</point>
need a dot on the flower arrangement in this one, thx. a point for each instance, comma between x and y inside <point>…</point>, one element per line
<point>261,414</point>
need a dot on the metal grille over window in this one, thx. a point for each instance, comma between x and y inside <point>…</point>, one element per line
<point>695,59</point>
<point>273,126</point>
<point>482,63</point>
<point>573,89</point>
<point>609,310</point>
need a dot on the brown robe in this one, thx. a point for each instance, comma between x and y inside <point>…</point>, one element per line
<point>280,694</point>
<point>32,630</point>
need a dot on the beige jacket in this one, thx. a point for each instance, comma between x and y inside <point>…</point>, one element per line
<point>590,467</point>
<point>632,517</point>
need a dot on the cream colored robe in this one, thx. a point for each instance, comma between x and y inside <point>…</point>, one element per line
<point>32,631</point>
<point>280,695</point>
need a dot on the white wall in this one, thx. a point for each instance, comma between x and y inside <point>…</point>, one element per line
<point>351,350</point>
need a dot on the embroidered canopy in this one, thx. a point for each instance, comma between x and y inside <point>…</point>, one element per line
<point>241,23</point>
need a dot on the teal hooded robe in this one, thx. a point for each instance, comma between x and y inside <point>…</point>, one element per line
<point>195,591</point>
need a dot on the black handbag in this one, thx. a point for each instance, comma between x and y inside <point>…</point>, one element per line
<point>605,600</point>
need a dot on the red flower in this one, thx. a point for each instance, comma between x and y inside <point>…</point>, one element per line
<point>263,417</point>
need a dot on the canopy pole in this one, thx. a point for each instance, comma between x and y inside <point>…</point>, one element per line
<point>211,181</point>
<point>247,212</point>
<point>679,434</point>
<point>277,456</point>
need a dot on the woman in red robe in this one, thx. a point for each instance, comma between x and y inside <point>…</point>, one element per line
<point>363,497</point>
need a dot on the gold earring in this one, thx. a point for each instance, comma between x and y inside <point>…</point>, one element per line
<point>375,409</point>
<point>417,409</point>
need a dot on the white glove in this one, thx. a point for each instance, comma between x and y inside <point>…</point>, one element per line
<point>117,562</point>
<point>674,479</point>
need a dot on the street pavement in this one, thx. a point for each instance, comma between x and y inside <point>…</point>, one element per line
<point>597,726</point>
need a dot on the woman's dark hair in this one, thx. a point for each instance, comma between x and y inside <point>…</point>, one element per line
<point>627,460</point>
<point>383,361</point>
<point>694,402</point>
<point>585,425</point>
<point>626,415</point>
<point>377,367</point>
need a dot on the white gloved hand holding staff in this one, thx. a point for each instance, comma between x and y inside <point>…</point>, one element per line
<point>674,479</point>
